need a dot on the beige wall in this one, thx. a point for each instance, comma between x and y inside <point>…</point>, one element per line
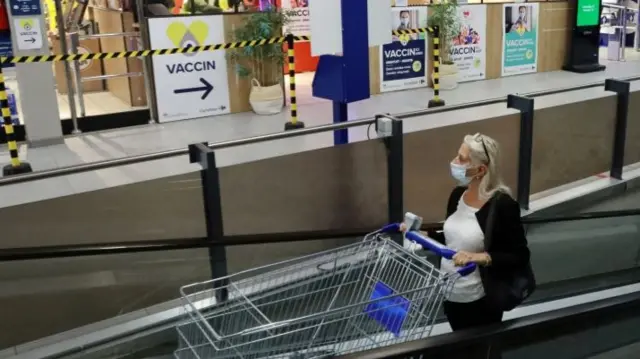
<point>554,31</point>
<point>341,187</point>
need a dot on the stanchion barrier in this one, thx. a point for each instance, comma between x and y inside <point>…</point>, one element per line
<point>436,101</point>
<point>16,167</point>
<point>293,121</point>
<point>145,53</point>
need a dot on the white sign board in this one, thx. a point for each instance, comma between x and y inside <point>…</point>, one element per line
<point>326,25</point>
<point>28,34</point>
<point>379,22</point>
<point>189,85</point>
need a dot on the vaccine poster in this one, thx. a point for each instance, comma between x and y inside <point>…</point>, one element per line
<point>298,14</point>
<point>468,49</point>
<point>403,62</point>
<point>520,40</point>
<point>189,85</point>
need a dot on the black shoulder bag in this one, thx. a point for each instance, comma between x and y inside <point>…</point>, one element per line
<point>505,290</point>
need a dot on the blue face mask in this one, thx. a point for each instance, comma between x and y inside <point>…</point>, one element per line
<point>459,173</point>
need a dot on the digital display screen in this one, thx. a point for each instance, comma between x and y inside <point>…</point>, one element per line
<point>588,13</point>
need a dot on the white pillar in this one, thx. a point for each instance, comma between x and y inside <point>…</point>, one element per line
<point>36,86</point>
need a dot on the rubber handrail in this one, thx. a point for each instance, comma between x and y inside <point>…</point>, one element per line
<point>94,249</point>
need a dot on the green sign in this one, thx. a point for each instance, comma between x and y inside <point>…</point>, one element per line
<point>588,13</point>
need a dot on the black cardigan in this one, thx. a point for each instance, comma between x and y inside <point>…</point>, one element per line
<point>507,244</point>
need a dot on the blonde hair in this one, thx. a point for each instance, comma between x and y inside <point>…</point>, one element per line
<point>484,150</point>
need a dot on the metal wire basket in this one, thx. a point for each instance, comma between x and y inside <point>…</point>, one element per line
<point>361,296</point>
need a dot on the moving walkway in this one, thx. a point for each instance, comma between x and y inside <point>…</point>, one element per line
<point>120,299</point>
<point>594,270</point>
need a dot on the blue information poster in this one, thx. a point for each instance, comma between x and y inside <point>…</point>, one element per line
<point>520,40</point>
<point>403,62</point>
<point>25,7</point>
<point>5,47</point>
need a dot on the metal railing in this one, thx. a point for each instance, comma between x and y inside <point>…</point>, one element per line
<point>75,169</point>
<point>74,39</point>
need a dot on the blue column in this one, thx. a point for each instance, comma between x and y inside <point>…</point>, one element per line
<point>345,79</point>
<point>340,114</point>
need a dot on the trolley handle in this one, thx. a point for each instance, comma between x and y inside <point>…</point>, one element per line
<point>439,249</point>
<point>392,227</point>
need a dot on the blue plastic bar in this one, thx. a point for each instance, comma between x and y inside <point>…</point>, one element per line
<point>393,227</point>
<point>439,249</point>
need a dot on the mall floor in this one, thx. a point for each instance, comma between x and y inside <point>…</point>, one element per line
<point>97,146</point>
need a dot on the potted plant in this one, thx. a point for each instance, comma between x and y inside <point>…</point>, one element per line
<point>263,64</point>
<point>444,15</point>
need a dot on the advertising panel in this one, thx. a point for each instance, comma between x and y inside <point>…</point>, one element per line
<point>298,14</point>
<point>520,40</point>
<point>403,62</point>
<point>189,85</point>
<point>468,50</point>
<point>588,13</point>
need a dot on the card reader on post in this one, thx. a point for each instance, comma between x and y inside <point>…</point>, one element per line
<point>412,222</point>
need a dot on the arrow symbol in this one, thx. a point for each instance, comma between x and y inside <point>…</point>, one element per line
<point>31,40</point>
<point>207,88</point>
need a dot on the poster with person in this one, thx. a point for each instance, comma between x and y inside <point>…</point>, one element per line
<point>298,14</point>
<point>403,62</point>
<point>467,48</point>
<point>520,40</point>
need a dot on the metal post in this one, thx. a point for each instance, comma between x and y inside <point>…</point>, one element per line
<point>62,34</point>
<point>621,88</point>
<point>293,124</point>
<point>16,167</point>
<point>395,175</point>
<point>340,114</point>
<point>436,101</point>
<point>74,38</point>
<point>202,154</point>
<point>147,65</point>
<point>623,40</point>
<point>636,38</point>
<point>525,106</point>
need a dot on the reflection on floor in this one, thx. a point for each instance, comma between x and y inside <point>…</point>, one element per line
<point>96,103</point>
<point>629,54</point>
<point>124,142</point>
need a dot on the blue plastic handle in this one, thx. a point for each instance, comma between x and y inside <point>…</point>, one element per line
<point>440,250</point>
<point>393,227</point>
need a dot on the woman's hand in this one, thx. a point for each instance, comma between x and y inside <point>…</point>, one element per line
<point>463,258</point>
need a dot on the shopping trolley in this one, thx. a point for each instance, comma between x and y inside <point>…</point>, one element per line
<point>361,296</point>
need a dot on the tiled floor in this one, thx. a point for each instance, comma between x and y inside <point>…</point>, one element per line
<point>118,143</point>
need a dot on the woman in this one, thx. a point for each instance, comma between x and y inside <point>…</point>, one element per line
<point>480,198</point>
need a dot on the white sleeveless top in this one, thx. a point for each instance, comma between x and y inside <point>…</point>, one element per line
<point>463,233</point>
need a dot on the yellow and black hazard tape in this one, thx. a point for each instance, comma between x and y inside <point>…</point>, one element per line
<point>431,30</point>
<point>145,53</point>
<point>177,50</point>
